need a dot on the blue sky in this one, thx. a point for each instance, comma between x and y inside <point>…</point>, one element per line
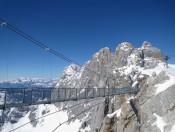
<point>78,29</point>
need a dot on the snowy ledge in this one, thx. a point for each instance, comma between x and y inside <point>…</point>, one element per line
<point>116,113</point>
<point>168,83</point>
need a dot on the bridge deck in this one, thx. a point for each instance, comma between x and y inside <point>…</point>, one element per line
<point>16,97</point>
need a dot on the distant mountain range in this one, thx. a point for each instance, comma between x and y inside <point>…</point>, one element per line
<point>29,82</point>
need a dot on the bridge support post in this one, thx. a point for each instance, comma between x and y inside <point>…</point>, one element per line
<point>70,89</point>
<point>50,96</point>
<point>93,93</point>
<point>31,98</point>
<point>85,93</point>
<point>104,91</point>
<point>65,94</point>
<point>42,95</point>
<point>5,99</point>
<point>76,93</point>
<point>23,96</point>
<point>79,93</point>
<point>58,98</point>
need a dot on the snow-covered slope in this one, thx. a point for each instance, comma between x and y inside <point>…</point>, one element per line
<point>46,124</point>
<point>127,67</point>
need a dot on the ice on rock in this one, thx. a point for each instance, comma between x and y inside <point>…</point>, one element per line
<point>116,113</point>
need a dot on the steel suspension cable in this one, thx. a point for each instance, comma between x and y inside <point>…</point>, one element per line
<point>41,45</point>
<point>54,113</point>
<point>77,115</point>
<point>35,41</point>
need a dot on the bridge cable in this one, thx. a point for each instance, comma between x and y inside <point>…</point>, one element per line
<point>38,43</point>
<point>6,54</point>
<point>35,41</point>
<point>77,115</point>
<point>53,113</point>
<point>7,58</point>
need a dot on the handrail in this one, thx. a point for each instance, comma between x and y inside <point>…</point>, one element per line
<point>14,97</point>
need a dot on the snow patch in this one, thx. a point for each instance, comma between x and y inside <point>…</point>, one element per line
<point>87,129</point>
<point>71,69</point>
<point>116,113</point>
<point>173,129</point>
<point>46,124</point>
<point>171,69</point>
<point>158,69</point>
<point>128,100</point>
<point>135,84</point>
<point>160,123</point>
<point>165,85</point>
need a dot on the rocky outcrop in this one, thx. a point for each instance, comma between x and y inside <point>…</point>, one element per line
<point>112,70</point>
<point>68,77</point>
<point>156,110</point>
<point>122,52</point>
<point>150,51</point>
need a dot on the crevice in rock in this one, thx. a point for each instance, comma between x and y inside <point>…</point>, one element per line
<point>129,120</point>
<point>136,111</point>
<point>106,109</point>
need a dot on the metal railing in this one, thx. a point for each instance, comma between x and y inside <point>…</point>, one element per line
<point>16,97</point>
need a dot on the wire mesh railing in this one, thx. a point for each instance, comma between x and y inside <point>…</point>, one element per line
<point>15,97</point>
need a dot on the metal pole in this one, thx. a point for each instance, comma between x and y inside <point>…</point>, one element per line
<point>76,93</point>
<point>23,100</point>
<point>65,94</point>
<point>70,93</point>
<point>58,94</point>
<point>104,92</point>
<point>85,93</point>
<point>31,96</point>
<point>5,98</point>
<point>99,92</point>
<point>42,95</point>
<point>50,96</point>
<point>93,92</point>
<point>79,93</point>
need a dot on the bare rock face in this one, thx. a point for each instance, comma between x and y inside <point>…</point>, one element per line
<point>112,70</point>
<point>156,111</point>
<point>136,58</point>
<point>157,107</point>
<point>150,51</point>
<point>99,72</point>
<point>122,52</point>
<point>147,56</point>
<point>68,77</point>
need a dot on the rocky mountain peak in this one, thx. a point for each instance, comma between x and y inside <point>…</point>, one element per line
<point>127,67</point>
<point>146,45</point>
<point>150,51</point>
<point>103,53</point>
<point>103,65</point>
<point>71,69</point>
<point>124,46</point>
<point>122,52</point>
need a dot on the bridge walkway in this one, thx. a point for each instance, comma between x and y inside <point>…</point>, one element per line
<point>17,97</point>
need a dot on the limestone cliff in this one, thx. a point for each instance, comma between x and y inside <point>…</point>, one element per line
<point>134,67</point>
<point>150,110</point>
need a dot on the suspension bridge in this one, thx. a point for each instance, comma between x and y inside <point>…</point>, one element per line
<point>15,97</point>
<point>18,97</point>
